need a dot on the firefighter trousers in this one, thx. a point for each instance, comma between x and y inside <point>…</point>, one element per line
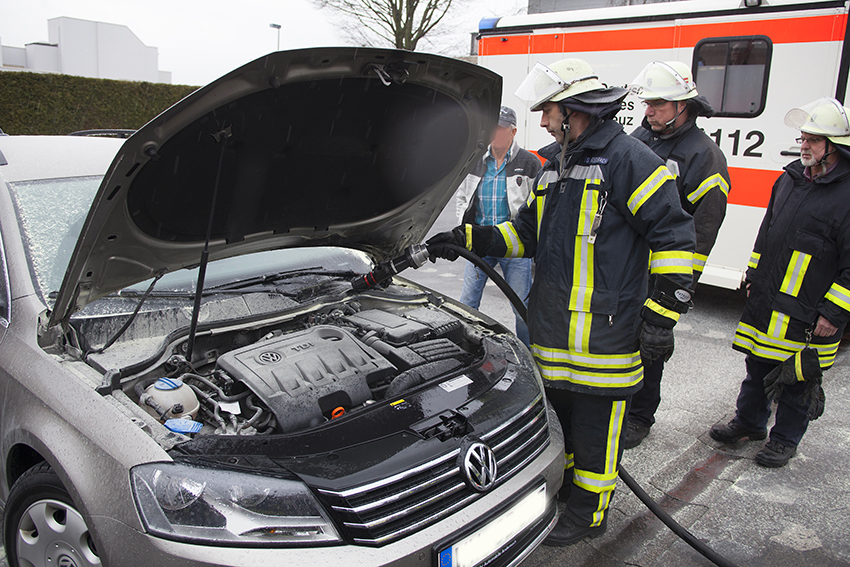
<point>592,426</point>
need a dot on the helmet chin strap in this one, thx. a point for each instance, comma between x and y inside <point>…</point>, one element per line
<point>565,128</point>
<point>669,124</point>
<point>822,161</point>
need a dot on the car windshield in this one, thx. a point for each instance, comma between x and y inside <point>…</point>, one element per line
<point>51,213</point>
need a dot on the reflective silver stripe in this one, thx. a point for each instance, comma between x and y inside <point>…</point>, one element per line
<point>673,166</point>
<point>515,248</point>
<point>594,482</point>
<point>593,172</point>
<point>839,295</point>
<point>715,180</point>
<point>646,189</point>
<point>589,378</point>
<point>616,426</point>
<point>754,341</point>
<point>600,361</point>
<point>797,266</point>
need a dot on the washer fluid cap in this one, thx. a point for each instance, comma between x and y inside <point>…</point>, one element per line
<point>183,426</point>
<point>168,383</point>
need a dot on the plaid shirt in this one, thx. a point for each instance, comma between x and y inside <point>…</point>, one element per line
<point>492,194</point>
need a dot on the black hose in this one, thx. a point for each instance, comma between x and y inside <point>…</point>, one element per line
<point>653,506</point>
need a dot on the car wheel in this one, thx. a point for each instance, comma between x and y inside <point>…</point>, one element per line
<point>42,525</point>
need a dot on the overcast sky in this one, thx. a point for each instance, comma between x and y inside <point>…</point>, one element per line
<point>200,40</point>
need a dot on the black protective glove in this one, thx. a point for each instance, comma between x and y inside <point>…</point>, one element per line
<point>817,401</point>
<point>804,366</point>
<point>655,342</point>
<point>456,236</point>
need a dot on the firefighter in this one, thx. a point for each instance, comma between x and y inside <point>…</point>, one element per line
<point>669,129</point>
<point>601,202</point>
<point>798,285</point>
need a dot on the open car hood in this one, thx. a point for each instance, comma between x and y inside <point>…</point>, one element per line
<point>333,146</point>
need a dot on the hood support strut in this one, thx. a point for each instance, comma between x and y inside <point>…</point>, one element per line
<point>220,137</point>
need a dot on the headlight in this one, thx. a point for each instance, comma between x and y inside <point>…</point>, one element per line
<point>191,503</point>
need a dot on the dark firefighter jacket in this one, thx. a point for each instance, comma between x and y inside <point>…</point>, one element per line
<point>590,231</point>
<point>800,267</point>
<point>701,175</point>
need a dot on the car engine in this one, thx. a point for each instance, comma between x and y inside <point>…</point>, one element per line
<point>292,379</point>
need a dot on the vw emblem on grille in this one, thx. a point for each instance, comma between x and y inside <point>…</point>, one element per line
<point>269,357</point>
<point>479,466</point>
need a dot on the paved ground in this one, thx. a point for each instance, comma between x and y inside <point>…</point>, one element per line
<point>793,516</point>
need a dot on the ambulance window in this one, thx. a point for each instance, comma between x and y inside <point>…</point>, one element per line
<point>731,72</point>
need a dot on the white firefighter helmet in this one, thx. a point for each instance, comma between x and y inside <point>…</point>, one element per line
<point>823,117</point>
<point>562,79</point>
<point>668,80</point>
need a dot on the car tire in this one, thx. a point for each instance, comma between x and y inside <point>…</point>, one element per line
<point>42,526</point>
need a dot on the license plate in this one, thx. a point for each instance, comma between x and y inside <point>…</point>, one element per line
<point>484,542</point>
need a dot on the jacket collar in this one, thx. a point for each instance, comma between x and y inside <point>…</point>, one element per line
<point>839,172</point>
<point>675,133</point>
<point>598,139</point>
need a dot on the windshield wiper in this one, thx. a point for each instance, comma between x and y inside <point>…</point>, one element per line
<point>267,279</point>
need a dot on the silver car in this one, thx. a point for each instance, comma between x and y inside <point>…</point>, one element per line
<point>188,374</point>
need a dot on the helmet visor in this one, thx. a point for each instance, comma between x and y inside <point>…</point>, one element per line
<point>824,117</point>
<point>542,84</point>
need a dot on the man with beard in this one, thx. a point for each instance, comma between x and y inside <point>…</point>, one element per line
<point>798,288</point>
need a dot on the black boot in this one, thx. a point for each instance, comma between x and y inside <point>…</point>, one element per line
<point>733,432</point>
<point>567,532</point>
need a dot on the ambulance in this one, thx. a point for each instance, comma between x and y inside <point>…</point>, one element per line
<point>752,59</point>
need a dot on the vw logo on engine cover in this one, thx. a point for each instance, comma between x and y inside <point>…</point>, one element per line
<point>479,466</point>
<point>269,357</point>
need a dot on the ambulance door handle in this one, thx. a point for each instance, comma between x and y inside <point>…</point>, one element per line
<point>790,153</point>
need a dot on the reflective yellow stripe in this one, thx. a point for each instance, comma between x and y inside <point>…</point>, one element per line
<point>839,295</point>
<point>671,262</point>
<point>468,235</point>
<point>596,379</point>
<point>754,260</point>
<point>715,180</point>
<point>649,187</point>
<point>514,245</point>
<point>569,460</point>
<point>663,311</point>
<point>594,482</point>
<point>778,325</point>
<point>795,272</point>
<point>699,262</point>
<point>579,337</point>
<point>798,366</point>
<point>751,340</point>
<point>615,427</point>
<point>589,360</point>
<point>583,258</point>
<point>541,203</point>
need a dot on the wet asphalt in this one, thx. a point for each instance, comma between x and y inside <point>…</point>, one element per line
<point>753,516</point>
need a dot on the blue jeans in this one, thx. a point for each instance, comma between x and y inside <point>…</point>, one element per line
<point>517,273</point>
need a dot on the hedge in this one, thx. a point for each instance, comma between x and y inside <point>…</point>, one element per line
<point>48,104</point>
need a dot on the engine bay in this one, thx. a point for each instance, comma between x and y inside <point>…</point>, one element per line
<point>306,372</point>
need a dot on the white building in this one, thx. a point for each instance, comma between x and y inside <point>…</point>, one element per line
<point>87,49</point>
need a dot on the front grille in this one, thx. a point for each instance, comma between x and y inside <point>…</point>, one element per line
<point>386,510</point>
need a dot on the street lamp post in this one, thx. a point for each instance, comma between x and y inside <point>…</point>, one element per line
<point>277,27</point>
